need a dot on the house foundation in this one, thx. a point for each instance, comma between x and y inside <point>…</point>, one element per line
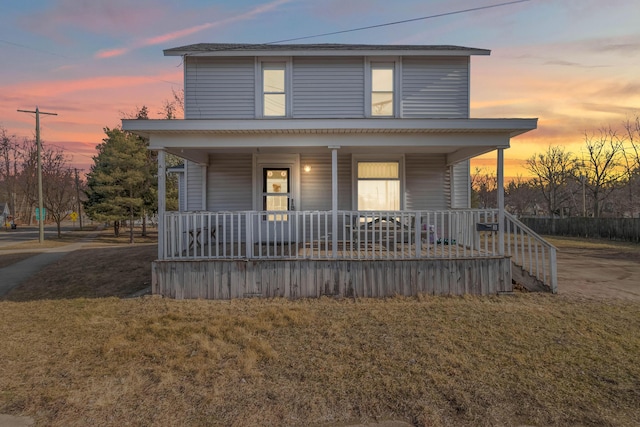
<point>226,279</point>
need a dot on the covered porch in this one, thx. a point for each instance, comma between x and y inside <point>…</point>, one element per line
<point>230,242</point>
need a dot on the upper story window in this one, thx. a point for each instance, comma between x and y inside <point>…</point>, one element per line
<point>274,96</point>
<point>382,84</point>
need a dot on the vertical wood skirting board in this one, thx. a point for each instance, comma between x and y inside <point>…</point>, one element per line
<point>293,279</point>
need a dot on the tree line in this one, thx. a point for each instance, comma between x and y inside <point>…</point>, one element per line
<point>601,180</point>
<point>19,179</point>
<point>121,185</point>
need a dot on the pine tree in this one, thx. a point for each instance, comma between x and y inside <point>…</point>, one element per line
<point>119,180</point>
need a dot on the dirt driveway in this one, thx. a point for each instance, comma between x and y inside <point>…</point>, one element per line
<point>598,269</point>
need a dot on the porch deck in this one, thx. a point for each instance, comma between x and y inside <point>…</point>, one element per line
<point>309,254</point>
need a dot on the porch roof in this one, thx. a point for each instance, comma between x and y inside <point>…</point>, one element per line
<point>459,139</point>
<point>147,128</point>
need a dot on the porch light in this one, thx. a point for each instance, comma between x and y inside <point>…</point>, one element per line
<point>307,168</point>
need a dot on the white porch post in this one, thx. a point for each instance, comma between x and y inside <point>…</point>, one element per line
<point>500,190</point>
<point>162,201</point>
<point>334,200</point>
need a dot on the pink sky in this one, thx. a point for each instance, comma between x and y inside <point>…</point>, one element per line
<point>573,64</point>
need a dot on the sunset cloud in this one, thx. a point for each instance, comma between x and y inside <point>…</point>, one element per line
<point>174,35</point>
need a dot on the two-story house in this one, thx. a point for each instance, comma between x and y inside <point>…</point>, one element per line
<point>331,169</point>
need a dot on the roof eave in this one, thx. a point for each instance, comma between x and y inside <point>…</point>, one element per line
<point>512,126</point>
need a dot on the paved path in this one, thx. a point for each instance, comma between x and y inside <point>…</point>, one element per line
<point>13,275</point>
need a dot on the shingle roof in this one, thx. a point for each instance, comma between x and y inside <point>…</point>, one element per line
<point>219,49</point>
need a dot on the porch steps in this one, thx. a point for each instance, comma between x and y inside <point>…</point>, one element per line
<point>522,277</point>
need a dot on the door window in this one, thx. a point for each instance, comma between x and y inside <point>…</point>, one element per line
<point>276,192</point>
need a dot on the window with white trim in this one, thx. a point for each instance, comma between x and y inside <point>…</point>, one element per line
<point>382,85</point>
<point>378,186</point>
<point>274,96</point>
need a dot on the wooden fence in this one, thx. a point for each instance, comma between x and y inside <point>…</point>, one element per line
<point>624,229</point>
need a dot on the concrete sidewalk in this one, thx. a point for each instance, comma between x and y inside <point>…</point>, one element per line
<point>13,275</point>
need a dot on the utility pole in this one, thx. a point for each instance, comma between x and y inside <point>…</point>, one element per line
<point>39,147</point>
<point>78,198</point>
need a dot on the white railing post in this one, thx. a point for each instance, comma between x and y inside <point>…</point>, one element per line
<point>334,200</point>
<point>500,189</point>
<point>162,202</point>
<point>553,270</point>
<point>418,234</point>
<point>248,237</point>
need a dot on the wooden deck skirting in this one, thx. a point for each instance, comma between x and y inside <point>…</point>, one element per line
<point>226,279</point>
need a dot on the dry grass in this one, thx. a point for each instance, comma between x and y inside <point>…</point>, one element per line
<point>91,273</point>
<point>528,359</point>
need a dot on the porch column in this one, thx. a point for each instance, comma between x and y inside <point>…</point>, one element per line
<point>162,201</point>
<point>500,191</point>
<point>334,200</point>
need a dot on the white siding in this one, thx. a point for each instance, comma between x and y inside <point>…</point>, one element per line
<point>435,88</point>
<point>315,185</point>
<point>328,87</point>
<point>193,184</point>
<point>461,185</point>
<point>219,88</point>
<point>426,182</point>
<point>230,182</point>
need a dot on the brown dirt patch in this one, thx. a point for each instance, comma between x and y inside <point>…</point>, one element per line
<point>597,268</point>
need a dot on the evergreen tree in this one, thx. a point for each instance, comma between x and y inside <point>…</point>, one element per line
<point>120,179</point>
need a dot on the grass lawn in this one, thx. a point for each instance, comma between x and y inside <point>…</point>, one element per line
<point>529,359</point>
<point>72,353</point>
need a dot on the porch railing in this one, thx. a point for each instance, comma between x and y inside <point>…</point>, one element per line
<point>468,233</point>
<point>308,234</point>
<point>531,252</point>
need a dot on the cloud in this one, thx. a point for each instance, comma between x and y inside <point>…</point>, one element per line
<point>54,88</point>
<point>102,17</point>
<point>564,63</point>
<point>174,35</point>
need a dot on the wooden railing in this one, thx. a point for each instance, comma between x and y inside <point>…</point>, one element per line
<point>531,252</point>
<point>309,234</point>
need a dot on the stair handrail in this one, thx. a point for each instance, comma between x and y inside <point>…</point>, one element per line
<point>553,271</point>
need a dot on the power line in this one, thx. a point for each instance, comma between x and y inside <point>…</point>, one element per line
<point>404,21</point>
<point>422,18</point>
<point>34,49</point>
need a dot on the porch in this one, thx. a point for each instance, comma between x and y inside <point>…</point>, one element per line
<point>293,254</point>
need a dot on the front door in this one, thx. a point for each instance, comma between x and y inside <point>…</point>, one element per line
<point>276,182</point>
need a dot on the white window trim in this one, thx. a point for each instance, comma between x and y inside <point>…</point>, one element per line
<point>376,158</point>
<point>370,63</point>
<point>288,85</point>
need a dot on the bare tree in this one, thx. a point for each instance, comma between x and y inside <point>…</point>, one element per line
<point>631,159</point>
<point>601,165</point>
<point>27,179</point>
<point>484,186</point>
<point>58,186</point>
<point>520,196</point>
<point>9,158</point>
<point>551,171</point>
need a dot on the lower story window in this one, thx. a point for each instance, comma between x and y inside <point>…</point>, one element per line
<point>378,186</point>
